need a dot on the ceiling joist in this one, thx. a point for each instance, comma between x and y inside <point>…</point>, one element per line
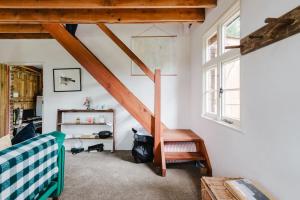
<point>106,4</point>
<point>86,16</point>
<point>22,28</point>
<point>25,36</point>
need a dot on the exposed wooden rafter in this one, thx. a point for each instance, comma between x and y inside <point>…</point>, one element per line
<point>22,28</point>
<point>25,36</point>
<point>106,4</point>
<point>85,16</point>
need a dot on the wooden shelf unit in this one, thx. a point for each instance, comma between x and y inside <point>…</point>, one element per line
<point>60,123</point>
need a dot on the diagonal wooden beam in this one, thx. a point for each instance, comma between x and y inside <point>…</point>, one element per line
<point>103,75</point>
<point>22,28</point>
<point>25,36</point>
<point>106,4</point>
<point>84,16</point>
<point>127,51</point>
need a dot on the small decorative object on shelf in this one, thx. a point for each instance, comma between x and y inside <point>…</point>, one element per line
<point>78,120</point>
<point>90,120</point>
<point>101,119</point>
<point>103,107</point>
<point>87,103</point>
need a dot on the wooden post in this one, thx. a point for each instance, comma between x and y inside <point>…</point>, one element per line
<point>157,117</point>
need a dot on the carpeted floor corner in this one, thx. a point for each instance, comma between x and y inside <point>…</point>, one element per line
<point>114,176</point>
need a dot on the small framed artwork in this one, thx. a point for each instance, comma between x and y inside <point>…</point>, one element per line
<point>67,79</point>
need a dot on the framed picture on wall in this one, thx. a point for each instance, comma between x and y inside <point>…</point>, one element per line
<point>67,79</point>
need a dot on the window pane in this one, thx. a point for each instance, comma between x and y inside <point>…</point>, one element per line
<point>232,33</point>
<point>231,74</point>
<point>212,47</point>
<point>211,102</point>
<point>211,79</point>
<point>231,104</point>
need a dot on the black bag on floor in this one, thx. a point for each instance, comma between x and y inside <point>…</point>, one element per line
<point>142,150</point>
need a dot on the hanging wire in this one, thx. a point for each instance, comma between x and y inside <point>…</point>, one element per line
<point>154,26</point>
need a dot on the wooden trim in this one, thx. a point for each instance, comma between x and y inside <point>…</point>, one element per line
<point>106,4</point>
<point>102,75</point>
<point>8,126</point>
<point>22,28</point>
<point>277,29</point>
<point>200,145</point>
<point>157,117</point>
<point>87,16</point>
<point>163,158</point>
<point>25,36</point>
<point>127,51</point>
<point>4,100</point>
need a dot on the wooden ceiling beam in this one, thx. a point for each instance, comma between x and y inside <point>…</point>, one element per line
<point>87,16</point>
<point>25,36</point>
<point>106,4</point>
<point>22,28</point>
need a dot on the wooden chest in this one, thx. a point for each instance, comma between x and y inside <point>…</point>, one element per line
<point>212,188</point>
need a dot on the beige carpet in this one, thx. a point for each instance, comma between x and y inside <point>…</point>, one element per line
<point>110,176</point>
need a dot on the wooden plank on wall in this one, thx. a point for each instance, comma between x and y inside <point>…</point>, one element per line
<point>103,75</point>
<point>85,16</point>
<point>277,29</point>
<point>4,100</point>
<point>111,4</point>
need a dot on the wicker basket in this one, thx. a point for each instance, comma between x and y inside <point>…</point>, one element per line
<point>212,188</point>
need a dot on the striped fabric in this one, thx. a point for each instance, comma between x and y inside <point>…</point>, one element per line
<point>180,147</point>
<point>27,168</point>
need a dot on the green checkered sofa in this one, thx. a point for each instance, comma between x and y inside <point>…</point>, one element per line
<point>37,162</point>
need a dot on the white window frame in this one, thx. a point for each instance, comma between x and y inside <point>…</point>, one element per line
<point>222,57</point>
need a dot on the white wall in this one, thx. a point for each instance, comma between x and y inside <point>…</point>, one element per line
<point>175,92</point>
<point>268,148</point>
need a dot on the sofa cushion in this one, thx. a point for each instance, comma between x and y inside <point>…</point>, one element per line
<point>26,133</point>
<point>5,142</point>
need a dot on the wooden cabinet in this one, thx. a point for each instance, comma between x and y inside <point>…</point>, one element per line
<point>26,85</point>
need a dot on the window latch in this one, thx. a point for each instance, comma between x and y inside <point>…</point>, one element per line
<point>221,91</point>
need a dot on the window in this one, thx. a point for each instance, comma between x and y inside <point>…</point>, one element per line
<point>231,32</point>
<point>211,91</point>
<point>212,47</point>
<point>221,70</point>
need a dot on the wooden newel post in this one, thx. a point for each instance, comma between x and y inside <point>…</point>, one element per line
<point>157,116</point>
